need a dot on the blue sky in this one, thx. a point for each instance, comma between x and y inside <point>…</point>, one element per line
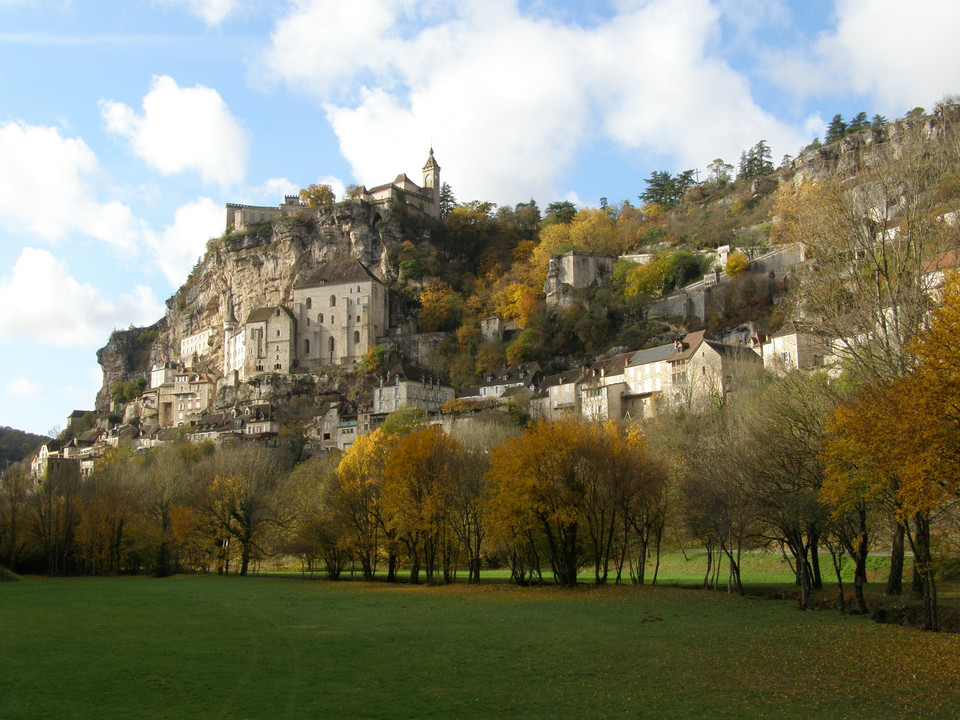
<point>126,127</point>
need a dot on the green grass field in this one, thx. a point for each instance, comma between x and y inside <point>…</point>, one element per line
<point>268,647</point>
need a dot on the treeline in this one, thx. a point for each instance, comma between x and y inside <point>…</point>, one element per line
<point>15,445</point>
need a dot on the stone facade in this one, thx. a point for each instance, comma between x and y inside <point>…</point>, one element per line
<point>269,337</point>
<point>409,386</point>
<point>340,311</point>
<point>571,271</point>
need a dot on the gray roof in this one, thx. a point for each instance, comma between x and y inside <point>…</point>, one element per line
<point>335,272</point>
<point>651,355</point>
<point>262,314</point>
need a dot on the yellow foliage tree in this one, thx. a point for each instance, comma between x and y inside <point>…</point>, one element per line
<point>737,262</point>
<point>355,495</point>
<point>440,307</point>
<point>416,497</point>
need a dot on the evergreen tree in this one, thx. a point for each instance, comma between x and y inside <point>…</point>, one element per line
<point>447,200</point>
<point>836,129</point>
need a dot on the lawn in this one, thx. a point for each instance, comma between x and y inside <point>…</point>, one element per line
<point>268,647</point>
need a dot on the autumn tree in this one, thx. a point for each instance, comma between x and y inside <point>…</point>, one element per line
<point>736,264</point>
<point>897,442</point>
<point>244,499</point>
<point>107,515</point>
<point>468,487</point>
<point>316,532</point>
<point>440,307</point>
<point>16,485</point>
<point>783,465</point>
<point>321,196</point>
<point>571,487</point>
<point>869,242</point>
<point>416,498</point>
<point>355,496</point>
<point>55,513</point>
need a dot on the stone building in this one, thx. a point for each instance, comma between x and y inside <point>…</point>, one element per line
<point>404,191</point>
<point>409,386</point>
<point>269,337</point>
<point>339,311</point>
<point>572,271</point>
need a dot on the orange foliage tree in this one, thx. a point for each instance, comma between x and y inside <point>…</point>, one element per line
<point>571,487</point>
<point>416,498</point>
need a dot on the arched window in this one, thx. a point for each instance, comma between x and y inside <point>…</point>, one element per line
<point>306,347</point>
<point>356,336</point>
<point>333,301</point>
<point>309,303</point>
<point>331,347</point>
<point>320,319</point>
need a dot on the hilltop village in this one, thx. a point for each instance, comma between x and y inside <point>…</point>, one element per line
<point>284,330</point>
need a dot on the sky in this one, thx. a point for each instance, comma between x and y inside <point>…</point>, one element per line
<point>126,127</point>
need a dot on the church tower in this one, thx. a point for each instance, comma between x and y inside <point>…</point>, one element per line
<point>431,183</point>
<point>229,331</point>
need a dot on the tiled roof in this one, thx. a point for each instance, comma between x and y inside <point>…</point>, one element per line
<point>262,314</point>
<point>339,271</point>
<point>512,374</point>
<point>651,355</point>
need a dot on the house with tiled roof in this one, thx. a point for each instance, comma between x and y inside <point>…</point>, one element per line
<point>602,388</point>
<point>558,396</point>
<point>796,346</point>
<point>494,383</point>
<point>704,371</point>
<point>409,386</point>
<point>340,310</point>
<point>646,374</point>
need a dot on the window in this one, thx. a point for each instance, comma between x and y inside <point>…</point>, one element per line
<point>358,289</point>
<point>306,347</point>
<point>333,319</point>
<point>278,332</point>
<point>333,301</point>
<point>331,347</point>
<point>309,303</point>
<point>320,319</point>
<point>358,318</point>
<point>785,356</point>
<point>308,321</point>
<point>356,336</point>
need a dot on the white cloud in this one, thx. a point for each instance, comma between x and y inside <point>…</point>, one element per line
<point>53,308</point>
<point>275,188</point>
<point>183,129</point>
<point>46,183</point>
<point>178,247</point>
<point>212,12</point>
<point>898,54</point>
<point>22,388</point>
<point>509,99</point>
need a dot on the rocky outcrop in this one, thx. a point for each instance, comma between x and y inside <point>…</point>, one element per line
<point>260,267</point>
<point>865,149</point>
<point>124,358</point>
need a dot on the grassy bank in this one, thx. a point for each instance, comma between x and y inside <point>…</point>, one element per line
<point>286,648</point>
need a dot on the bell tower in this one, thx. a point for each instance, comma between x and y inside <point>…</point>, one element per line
<point>431,183</point>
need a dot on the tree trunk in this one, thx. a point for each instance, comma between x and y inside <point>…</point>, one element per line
<point>895,577</point>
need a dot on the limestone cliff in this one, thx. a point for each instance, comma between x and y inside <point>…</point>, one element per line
<point>260,267</point>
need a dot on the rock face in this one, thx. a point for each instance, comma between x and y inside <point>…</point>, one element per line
<point>866,148</point>
<point>259,267</point>
<point>125,357</point>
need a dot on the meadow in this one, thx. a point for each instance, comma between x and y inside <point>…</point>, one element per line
<point>285,647</point>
